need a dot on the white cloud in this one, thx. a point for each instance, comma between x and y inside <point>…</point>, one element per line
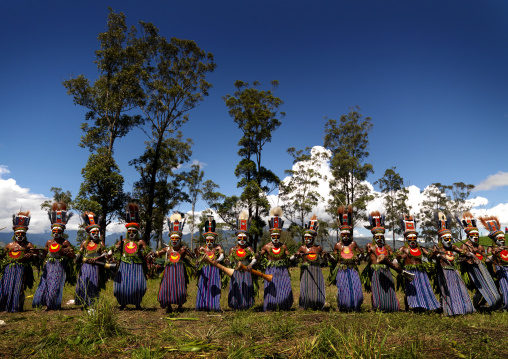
<point>500,179</point>
<point>3,170</point>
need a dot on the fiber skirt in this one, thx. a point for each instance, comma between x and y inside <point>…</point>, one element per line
<point>173,289</point>
<point>454,295</point>
<point>278,294</point>
<point>241,290</point>
<point>349,290</point>
<point>383,291</point>
<point>419,292</point>
<point>502,275</point>
<point>87,287</point>
<point>12,288</point>
<point>209,286</point>
<point>50,290</point>
<point>484,283</point>
<point>312,288</point>
<point>130,284</point>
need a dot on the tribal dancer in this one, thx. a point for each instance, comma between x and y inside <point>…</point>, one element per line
<point>498,255</point>
<point>130,281</point>
<point>209,279</point>
<point>454,295</point>
<point>380,277</point>
<point>347,256</point>
<point>173,287</point>
<point>241,286</point>
<point>312,282</point>
<point>88,286</point>
<point>479,276</point>
<point>278,294</point>
<point>50,290</point>
<point>18,274</point>
<point>418,293</point>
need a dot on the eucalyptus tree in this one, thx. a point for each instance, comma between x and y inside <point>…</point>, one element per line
<point>194,183</point>
<point>173,82</point>
<point>257,114</point>
<point>348,141</point>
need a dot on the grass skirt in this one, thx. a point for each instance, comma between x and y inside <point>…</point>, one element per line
<point>87,288</point>
<point>312,288</point>
<point>278,294</point>
<point>130,284</point>
<point>50,290</point>
<point>209,286</point>
<point>173,289</point>
<point>349,290</point>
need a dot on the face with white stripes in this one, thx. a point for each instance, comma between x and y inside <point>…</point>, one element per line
<point>474,236</point>
<point>242,239</point>
<point>500,239</point>
<point>20,236</point>
<point>379,238</point>
<point>94,234</point>
<point>446,239</point>
<point>308,239</point>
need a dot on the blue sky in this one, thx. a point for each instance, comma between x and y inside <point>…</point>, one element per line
<point>432,75</point>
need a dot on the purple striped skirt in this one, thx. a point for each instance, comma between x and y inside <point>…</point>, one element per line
<point>130,284</point>
<point>484,283</point>
<point>454,295</point>
<point>349,290</point>
<point>50,290</point>
<point>419,292</point>
<point>209,286</point>
<point>241,290</point>
<point>87,287</point>
<point>383,291</point>
<point>278,294</point>
<point>12,291</point>
<point>312,288</point>
<point>173,289</point>
<point>502,275</point>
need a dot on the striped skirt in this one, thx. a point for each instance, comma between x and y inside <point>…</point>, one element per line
<point>502,275</point>
<point>241,290</point>
<point>209,286</point>
<point>173,289</point>
<point>130,284</point>
<point>484,283</point>
<point>383,291</point>
<point>50,290</point>
<point>419,292</point>
<point>278,294</point>
<point>349,290</point>
<point>12,291</point>
<point>87,288</point>
<point>312,288</point>
<point>454,295</point>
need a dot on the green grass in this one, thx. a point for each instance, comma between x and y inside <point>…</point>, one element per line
<point>151,333</point>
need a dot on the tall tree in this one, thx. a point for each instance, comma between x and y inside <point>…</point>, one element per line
<point>460,193</point>
<point>173,83</point>
<point>58,196</point>
<point>194,182</point>
<point>435,199</point>
<point>299,192</point>
<point>348,141</point>
<point>256,112</point>
<point>394,199</point>
<point>109,101</point>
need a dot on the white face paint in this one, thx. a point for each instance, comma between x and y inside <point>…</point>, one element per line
<point>57,232</point>
<point>275,238</point>
<point>132,233</point>
<point>346,236</point>
<point>500,240</point>
<point>380,239</point>
<point>308,239</point>
<point>447,240</point>
<point>175,240</point>
<point>210,241</point>
<point>473,237</point>
<point>20,236</point>
<point>242,240</point>
<point>411,241</point>
<point>94,234</point>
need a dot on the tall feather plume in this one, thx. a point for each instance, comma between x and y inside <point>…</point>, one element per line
<point>276,212</point>
<point>176,217</point>
<point>313,218</point>
<point>486,219</point>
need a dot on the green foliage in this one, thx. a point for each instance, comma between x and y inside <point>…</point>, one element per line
<point>100,320</point>
<point>348,141</point>
<point>58,196</point>
<point>256,112</point>
<point>194,183</point>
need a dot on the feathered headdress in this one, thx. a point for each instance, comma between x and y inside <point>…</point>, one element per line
<point>468,223</point>
<point>377,222</point>
<point>408,224</point>
<point>175,224</point>
<point>276,222</point>
<point>209,229</point>
<point>345,218</point>
<point>132,216</point>
<point>242,223</point>
<point>21,221</point>
<point>491,223</point>
<point>312,226</point>
<point>59,215</point>
<point>443,223</point>
<point>90,220</point>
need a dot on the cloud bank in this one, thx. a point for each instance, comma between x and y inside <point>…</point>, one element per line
<point>498,180</point>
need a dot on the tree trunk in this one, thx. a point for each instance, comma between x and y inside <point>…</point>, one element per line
<point>151,191</point>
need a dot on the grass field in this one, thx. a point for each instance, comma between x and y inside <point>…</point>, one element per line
<point>108,332</point>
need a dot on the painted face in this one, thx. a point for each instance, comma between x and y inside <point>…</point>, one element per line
<point>380,239</point>
<point>500,239</point>
<point>308,239</point>
<point>132,233</point>
<point>94,234</point>
<point>411,241</point>
<point>447,240</point>
<point>20,236</point>
<point>346,236</point>
<point>175,240</point>
<point>210,241</point>
<point>242,239</point>
<point>474,237</point>
<point>275,238</point>
<point>57,232</point>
